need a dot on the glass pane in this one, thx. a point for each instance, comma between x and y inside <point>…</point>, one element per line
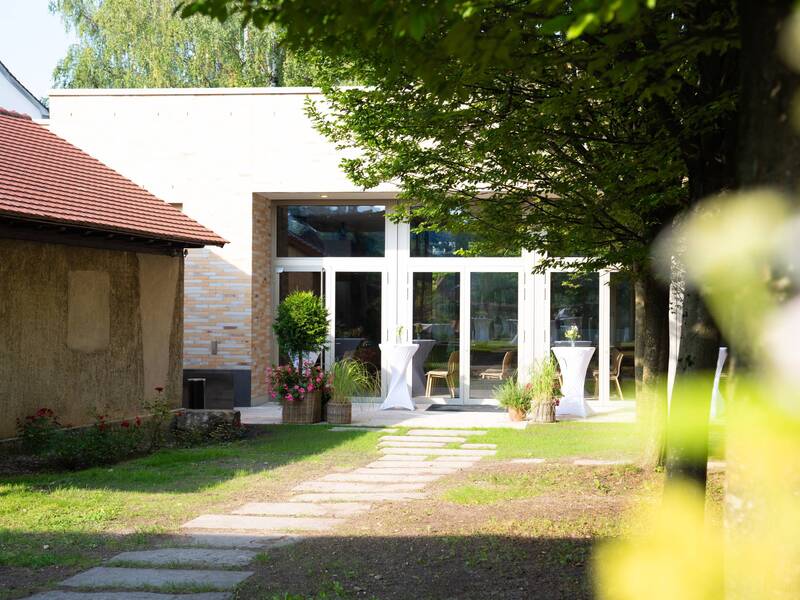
<point>306,281</point>
<point>331,230</point>
<point>623,334</point>
<point>442,243</point>
<point>358,319</point>
<point>493,331</point>
<point>574,303</point>
<point>434,368</point>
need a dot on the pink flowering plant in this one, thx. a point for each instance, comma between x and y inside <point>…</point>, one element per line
<point>291,384</point>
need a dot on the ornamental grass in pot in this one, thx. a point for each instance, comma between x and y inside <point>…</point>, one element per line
<point>349,378</point>
<point>514,398</point>
<point>543,391</point>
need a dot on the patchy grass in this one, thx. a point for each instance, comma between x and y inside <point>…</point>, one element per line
<point>73,518</point>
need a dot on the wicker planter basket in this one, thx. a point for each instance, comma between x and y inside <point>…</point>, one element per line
<point>339,413</point>
<point>544,412</point>
<point>516,414</point>
<point>308,410</point>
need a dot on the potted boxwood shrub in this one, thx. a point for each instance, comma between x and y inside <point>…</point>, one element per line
<point>348,378</point>
<point>301,327</point>
<point>514,398</point>
<point>543,391</point>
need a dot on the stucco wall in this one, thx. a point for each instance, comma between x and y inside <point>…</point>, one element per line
<point>86,331</point>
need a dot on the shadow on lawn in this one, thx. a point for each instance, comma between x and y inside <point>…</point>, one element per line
<point>188,470</point>
<point>349,568</point>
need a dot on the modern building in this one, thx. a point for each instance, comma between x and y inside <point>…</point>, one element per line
<point>91,283</point>
<point>248,163</point>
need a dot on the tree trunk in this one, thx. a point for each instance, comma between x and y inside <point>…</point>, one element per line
<point>687,449</point>
<point>651,359</point>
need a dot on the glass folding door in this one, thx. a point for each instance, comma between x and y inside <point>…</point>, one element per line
<point>436,330</point>
<point>294,281</point>
<point>357,318</point>
<point>494,337</point>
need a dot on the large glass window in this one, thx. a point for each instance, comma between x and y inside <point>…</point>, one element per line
<point>575,302</point>
<point>434,368</point>
<point>623,333</point>
<point>493,331</point>
<point>331,230</point>
<point>358,318</point>
<point>442,243</point>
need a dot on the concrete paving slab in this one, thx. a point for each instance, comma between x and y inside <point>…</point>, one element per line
<point>233,540</point>
<point>398,471</point>
<point>344,486</point>
<point>255,523</point>
<point>479,446</point>
<point>411,444</point>
<point>195,557</point>
<point>370,476</point>
<point>358,497</point>
<point>447,432</point>
<point>423,438</point>
<point>118,577</point>
<point>297,509</point>
<point>437,452</point>
<point>466,461</point>
<point>404,458</point>
<point>64,595</point>
<point>527,461</point>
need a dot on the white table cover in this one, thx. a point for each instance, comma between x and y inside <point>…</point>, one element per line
<point>573,361</point>
<point>398,357</point>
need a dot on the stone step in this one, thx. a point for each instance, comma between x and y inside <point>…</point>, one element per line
<point>344,486</point>
<point>64,595</point>
<point>437,452</point>
<point>358,497</point>
<point>462,460</point>
<point>479,446</point>
<point>370,476</point>
<point>421,466</point>
<point>401,471</point>
<point>447,432</point>
<point>256,524</point>
<point>411,444</point>
<point>422,438</point>
<point>194,557</point>
<point>118,577</point>
<point>297,509</point>
<point>404,458</point>
<point>234,540</point>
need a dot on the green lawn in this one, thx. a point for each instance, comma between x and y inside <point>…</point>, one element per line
<point>71,518</point>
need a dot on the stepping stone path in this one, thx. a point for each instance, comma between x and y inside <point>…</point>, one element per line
<point>213,551</point>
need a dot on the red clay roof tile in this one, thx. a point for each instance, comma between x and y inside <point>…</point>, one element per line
<point>45,178</point>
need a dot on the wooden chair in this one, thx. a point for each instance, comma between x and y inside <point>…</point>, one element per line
<point>613,374</point>
<point>450,376</point>
<point>506,370</point>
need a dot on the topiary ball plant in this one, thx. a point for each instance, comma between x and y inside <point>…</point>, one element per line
<point>301,324</point>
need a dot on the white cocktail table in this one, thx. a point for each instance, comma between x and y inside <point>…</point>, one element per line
<point>573,361</point>
<point>398,356</point>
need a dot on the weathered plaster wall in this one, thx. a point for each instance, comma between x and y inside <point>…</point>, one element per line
<point>84,331</point>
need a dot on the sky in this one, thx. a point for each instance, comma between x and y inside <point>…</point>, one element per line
<point>32,41</point>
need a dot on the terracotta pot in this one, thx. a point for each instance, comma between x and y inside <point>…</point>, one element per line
<point>544,412</point>
<point>338,414</point>
<point>516,414</point>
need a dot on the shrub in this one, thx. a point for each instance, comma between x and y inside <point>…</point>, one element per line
<point>350,378</point>
<point>512,395</point>
<point>101,444</point>
<point>160,413</point>
<point>291,384</point>
<point>301,324</point>
<point>36,431</point>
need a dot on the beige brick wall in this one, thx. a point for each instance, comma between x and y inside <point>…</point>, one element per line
<point>216,309</point>
<point>261,297</point>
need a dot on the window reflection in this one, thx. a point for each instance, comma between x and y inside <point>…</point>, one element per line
<point>358,319</point>
<point>331,230</point>
<point>623,333</point>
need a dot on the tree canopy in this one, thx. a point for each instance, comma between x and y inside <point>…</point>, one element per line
<point>142,43</point>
